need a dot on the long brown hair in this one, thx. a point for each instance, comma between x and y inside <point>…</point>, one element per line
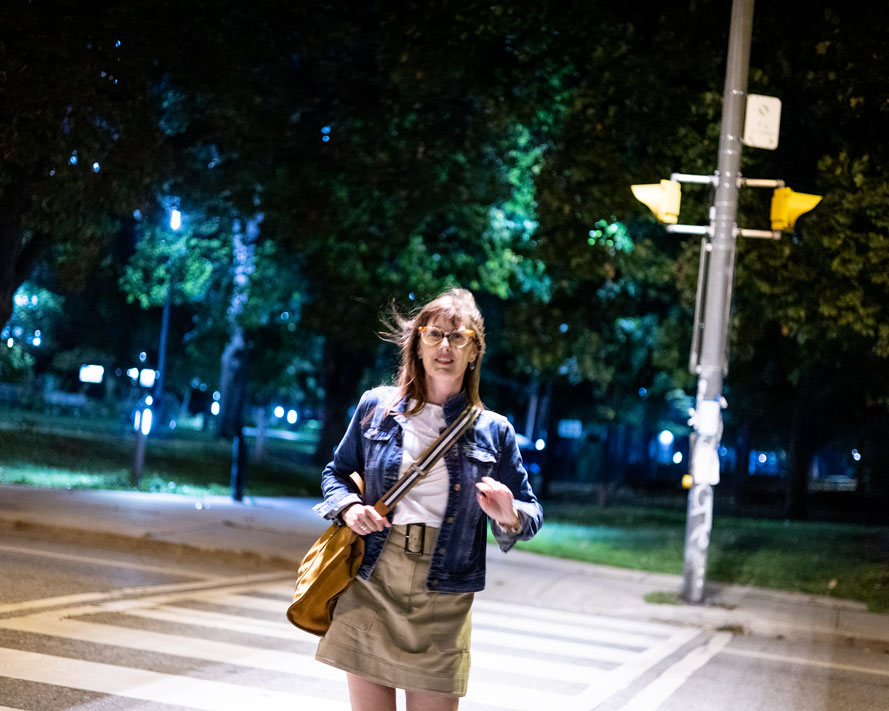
<point>454,305</point>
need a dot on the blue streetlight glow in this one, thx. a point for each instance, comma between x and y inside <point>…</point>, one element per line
<point>665,438</point>
<point>175,220</point>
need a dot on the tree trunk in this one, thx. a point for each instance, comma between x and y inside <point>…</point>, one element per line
<point>616,454</point>
<point>802,451</point>
<point>343,366</point>
<point>262,429</point>
<point>232,387</point>
<point>742,464</point>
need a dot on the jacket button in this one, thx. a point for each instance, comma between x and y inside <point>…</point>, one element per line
<point>456,487</point>
<point>433,583</point>
<point>441,551</point>
<point>450,519</point>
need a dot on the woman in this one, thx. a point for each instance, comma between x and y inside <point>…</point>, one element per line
<point>405,621</point>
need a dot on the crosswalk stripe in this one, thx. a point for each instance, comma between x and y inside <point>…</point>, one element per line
<point>180,645</point>
<point>272,660</point>
<point>203,618</point>
<point>575,630</point>
<point>144,685</point>
<point>654,629</point>
<point>659,690</point>
<point>542,645</point>
<point>506,696</point>
<point>282,630</point>
<point>524,666</point>
<point>565,648</point>
<point>509,640</point>
<point>263,604</point>
<point>620,678</point>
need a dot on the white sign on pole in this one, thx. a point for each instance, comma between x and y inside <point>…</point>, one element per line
<point>762,121</point>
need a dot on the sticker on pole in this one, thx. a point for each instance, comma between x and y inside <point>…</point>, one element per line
<point>762,121</point>
<point>705,463</point>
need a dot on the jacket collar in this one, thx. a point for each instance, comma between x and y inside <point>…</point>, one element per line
<point>454,406</point>
<point>451,409</point>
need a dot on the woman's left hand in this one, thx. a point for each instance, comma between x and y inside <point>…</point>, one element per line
<point>496,500</point>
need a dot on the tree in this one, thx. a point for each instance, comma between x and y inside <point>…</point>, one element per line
<point>78,145</point>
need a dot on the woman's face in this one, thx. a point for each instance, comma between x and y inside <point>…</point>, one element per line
<point>444,361</point>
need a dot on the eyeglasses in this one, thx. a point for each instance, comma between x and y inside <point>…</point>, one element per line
<point>432,336</point>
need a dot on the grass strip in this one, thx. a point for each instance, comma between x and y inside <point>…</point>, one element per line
<point>831,559</point>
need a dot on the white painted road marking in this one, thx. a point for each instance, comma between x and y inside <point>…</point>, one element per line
<point>780,658</point>
<point>144,685</point>
<point>627,673</point>
<point>659,690</point>
<point>524,658</point>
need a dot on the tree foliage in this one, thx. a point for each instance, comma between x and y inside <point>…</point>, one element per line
<point>394,151</point>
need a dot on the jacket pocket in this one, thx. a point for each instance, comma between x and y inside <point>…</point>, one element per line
<point>480,461</point>
<point>378,434</point>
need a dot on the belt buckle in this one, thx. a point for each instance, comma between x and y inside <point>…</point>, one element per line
<point>414,538</point>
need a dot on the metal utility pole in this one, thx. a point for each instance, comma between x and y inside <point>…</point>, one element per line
<point>714,304</point>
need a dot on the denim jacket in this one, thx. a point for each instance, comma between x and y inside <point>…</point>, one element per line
<point>372,445</point>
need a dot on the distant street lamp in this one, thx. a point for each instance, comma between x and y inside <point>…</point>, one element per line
<point>146,416</point>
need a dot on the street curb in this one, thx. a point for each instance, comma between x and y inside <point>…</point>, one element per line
<point>724,606</point>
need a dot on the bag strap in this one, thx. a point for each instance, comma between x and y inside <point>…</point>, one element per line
<point>424,463</point>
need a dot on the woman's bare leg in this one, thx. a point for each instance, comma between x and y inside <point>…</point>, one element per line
<point>430,702</point>
<point>367,695</point>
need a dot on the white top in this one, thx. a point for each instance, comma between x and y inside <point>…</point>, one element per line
<point>427,499</point>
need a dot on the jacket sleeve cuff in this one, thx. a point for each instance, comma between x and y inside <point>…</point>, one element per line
<point>333,509</point>
<point>506,537</point>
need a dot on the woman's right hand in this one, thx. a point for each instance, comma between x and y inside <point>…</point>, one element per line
<point>364,519</point>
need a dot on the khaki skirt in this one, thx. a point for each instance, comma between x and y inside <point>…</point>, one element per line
<point>391,630</point>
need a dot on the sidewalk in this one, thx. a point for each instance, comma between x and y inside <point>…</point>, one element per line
<point>281,529</point>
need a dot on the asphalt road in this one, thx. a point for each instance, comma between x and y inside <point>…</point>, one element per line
<point>96,625</point>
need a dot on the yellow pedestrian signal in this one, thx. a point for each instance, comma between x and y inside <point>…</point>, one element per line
<point>787,206</point>
<point>661,198</point>
<point>687,481</point>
